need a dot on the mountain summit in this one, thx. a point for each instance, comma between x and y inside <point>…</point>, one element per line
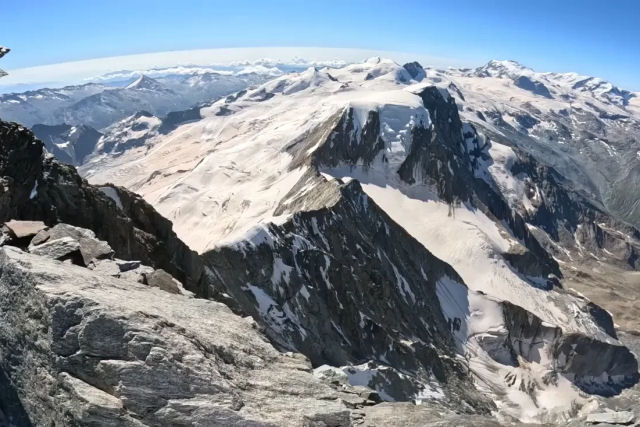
<point>145,83</point>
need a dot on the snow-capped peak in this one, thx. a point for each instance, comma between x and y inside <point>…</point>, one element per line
<point>596,86</point>
<point>145,82</point>
<point>502,68</point>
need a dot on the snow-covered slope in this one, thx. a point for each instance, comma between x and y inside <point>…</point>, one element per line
<point>584,127</point>
<point>295,180</point>
<point>231,168</point>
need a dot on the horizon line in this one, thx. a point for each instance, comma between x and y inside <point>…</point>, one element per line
<point>83,70</point>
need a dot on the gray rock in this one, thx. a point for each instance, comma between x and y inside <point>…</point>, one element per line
<point>163,280</point>
<point>22,229</point>
<point>6,237</point>
<point>339,418</point>
<point>409,415</point>
<point>106,267</point>
<point>80,348</point>
<point>611,417</point>
<point>138,274</point>
<point>90,247</point>
<point>132,271</point>
<point>57,248</point>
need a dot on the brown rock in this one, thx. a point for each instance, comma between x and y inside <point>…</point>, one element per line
<point>22,229</point>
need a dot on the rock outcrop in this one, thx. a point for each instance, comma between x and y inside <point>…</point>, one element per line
<point>81,348</point>
<point>38,187</point>
<point>379,305</point>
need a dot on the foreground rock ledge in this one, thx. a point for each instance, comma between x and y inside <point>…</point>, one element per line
<point>84,349</point>
<point>81,348</point>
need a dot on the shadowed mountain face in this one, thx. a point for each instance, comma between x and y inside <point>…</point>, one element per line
<point>70,144</point>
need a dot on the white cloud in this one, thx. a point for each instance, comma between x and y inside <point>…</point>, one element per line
<point>80,71</point>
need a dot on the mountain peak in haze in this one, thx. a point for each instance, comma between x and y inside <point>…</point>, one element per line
<point>145,82</point>
<point>502,68</point>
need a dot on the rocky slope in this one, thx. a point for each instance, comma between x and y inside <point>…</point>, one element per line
<point>293,239</point>
<point>80,347</point>
<point>37,186</point>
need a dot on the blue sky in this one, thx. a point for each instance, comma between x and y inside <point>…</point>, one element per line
<point>590,37</point>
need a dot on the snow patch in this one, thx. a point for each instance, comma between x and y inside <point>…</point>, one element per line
<point>111,193</point>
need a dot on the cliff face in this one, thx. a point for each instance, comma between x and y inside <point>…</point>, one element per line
<point>36,186</point>
<point>343,285</point>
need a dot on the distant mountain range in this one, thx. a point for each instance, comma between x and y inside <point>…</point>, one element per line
<point>101,104</point>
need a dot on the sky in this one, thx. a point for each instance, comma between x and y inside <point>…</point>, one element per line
<point>589,37</point>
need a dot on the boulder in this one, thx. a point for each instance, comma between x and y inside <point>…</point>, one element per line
<point>22,229</point>
<point>163,280</point>
<point>90,247</point>
<point>138,274</point>
<point>57,248</point>
<point>127,270</point>
<point>106,267</point>
<point>611,417</point>
<point>6,237</point>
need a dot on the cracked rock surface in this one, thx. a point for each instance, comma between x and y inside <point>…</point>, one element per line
<point>81,348</point>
